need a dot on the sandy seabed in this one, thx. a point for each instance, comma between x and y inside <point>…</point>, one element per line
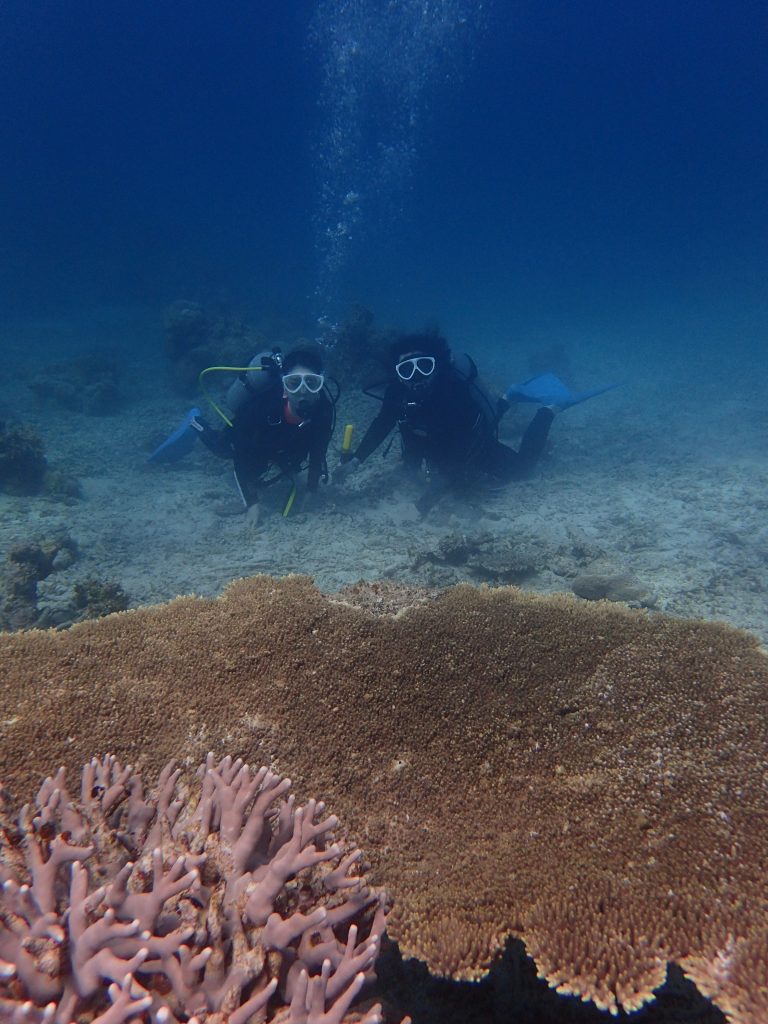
<point>657,484</point>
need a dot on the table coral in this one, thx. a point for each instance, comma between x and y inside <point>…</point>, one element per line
<point>588,778</point>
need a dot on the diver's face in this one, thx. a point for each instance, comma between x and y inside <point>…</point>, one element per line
<point>303,388</point>
<point>416,370</point>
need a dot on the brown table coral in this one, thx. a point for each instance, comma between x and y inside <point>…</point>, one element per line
<point>591,779</point>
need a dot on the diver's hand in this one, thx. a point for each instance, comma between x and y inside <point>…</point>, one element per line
<point>306,500</point>
<point>341,472</point>
<point>426,502</point>
<point>252,516</point>
<point>432,493</point>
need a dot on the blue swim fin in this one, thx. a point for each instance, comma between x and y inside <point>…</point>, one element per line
<point>179,443</point>
<point>547,389</point>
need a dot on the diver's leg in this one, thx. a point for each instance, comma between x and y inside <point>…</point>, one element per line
<point>505,464</point>
<point>248,475</point>
<point>413,452</point>
<point>217,441</point>
<point>535,439</point>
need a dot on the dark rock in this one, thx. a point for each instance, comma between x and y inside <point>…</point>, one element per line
<point>22,461</point>
<point>195,340</point>
<point>95,598</point>
<point>483,557</point>
<point>617,587</point>
<point>88,384</point>
<point>357,348</point>
<point>61,486</point>
<point>25,566</point>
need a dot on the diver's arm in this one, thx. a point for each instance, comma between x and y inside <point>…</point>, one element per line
<point>379,430</point>
<point>317,452</point>
<point>247,484</point>
<point>250,467</point>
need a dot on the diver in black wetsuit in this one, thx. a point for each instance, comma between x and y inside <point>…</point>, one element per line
<point>283,423</point>
<point>447,419</point>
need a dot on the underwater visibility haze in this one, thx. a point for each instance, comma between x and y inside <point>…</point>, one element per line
<point>571,194</point>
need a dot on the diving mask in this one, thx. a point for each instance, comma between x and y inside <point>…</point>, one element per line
<point>296,382</point>
<point>406,369</point>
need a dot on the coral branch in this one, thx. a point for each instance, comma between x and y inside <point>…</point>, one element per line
<point>195,919</point>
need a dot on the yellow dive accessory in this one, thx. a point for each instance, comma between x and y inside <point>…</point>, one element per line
<point>289,503</point>
<point>349,430</point>
<point>224,369</point>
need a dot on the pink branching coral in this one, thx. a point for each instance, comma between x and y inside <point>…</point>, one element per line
<point>228,906</point>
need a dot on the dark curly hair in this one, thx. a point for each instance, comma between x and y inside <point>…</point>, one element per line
<point>428,343</point>
<point>308,355</point>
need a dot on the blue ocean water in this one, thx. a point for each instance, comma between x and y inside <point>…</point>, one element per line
<point>515,171</point>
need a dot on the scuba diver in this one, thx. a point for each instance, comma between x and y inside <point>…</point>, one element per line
<point>448,421</point>
<point>282,418</point>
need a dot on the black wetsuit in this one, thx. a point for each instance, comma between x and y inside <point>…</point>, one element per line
<point>264,435</point>
<point>453,426</point>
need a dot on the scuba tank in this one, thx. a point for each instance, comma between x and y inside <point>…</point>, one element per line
<point>488,404</point>
<point>262,373</point>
